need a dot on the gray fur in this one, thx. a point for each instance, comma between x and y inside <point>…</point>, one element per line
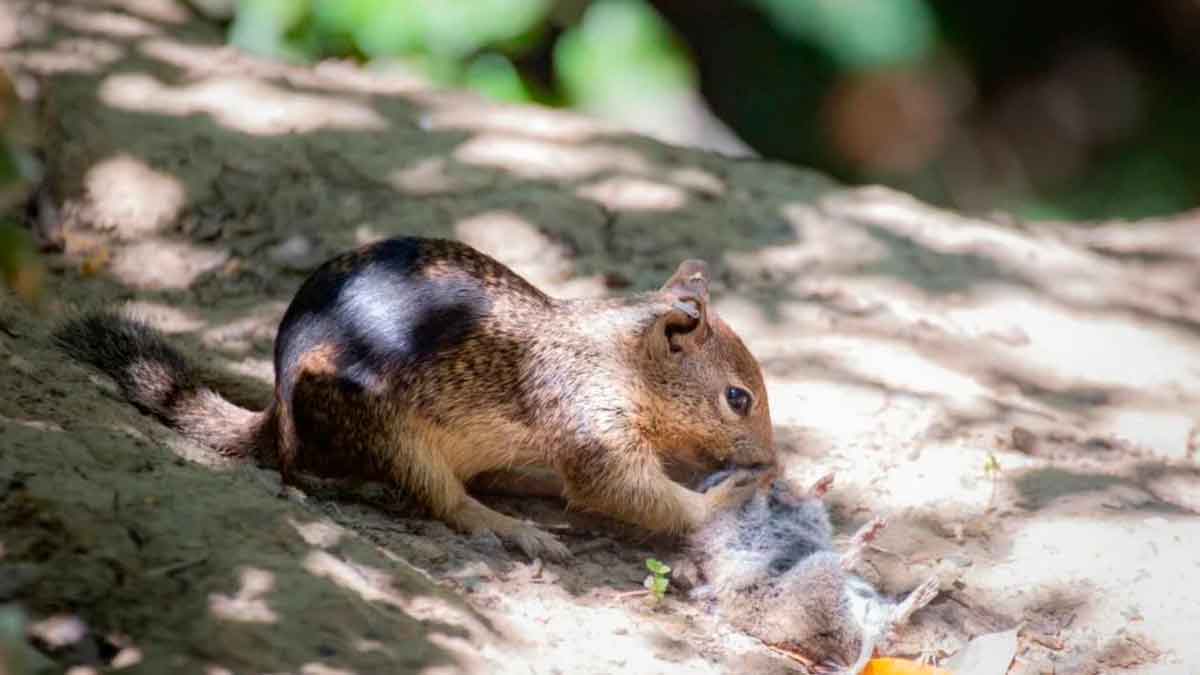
<point>769,569</point>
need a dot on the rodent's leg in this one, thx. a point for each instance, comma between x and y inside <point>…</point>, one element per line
<point>858,543</point>
<point>919,597</point>
<point>821,487</point>
<point>634,487</point>
<point>518,483</point>
<point>422,469</point>
<point>473,517</point>
<point>287,442</point>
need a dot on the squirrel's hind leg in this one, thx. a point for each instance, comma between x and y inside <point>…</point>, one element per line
<point>423,466</point>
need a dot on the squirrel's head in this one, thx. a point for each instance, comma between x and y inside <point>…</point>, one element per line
<point>702,394</point>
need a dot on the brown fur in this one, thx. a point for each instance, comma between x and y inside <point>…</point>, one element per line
<point>427,364</point>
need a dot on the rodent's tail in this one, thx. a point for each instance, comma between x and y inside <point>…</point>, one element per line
<point>156,378</point>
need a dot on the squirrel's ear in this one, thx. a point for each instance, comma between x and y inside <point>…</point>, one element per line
<point>684,327</point>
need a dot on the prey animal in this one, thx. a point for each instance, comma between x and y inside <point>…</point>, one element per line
<point>767,565</point>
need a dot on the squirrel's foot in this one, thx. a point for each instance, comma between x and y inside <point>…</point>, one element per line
<point>537,543</point>
<point>474,518</point>
<point>732,492</point>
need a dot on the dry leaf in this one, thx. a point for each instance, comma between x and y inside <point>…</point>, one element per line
<point>900,667</point>
<point>989,654</point>
<point>95,261</point>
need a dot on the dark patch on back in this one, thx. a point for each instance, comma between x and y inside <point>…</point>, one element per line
<point>382,311</point>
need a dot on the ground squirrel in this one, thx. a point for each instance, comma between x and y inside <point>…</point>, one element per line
<point>424,363</point>
<point>768,567</point>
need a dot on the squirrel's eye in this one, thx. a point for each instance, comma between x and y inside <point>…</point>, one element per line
<point>739,400</point>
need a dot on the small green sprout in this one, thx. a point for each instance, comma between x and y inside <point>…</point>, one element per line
<point>657,581</point>
<point>991,469</point>
<point>991,465</point>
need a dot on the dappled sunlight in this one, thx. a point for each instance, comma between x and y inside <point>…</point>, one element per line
<point>443,614</point>
<point>316,668</point>
<point>318,533</point>
<point>1144,567</point>
<point>948,479</point>
<point>623,193</point>
<point>152,263</point>
<point>533,159</point>
<point>164,11</point>
<point>605,633</point>
<point>1168,432</point>
<point>517,243</point>
<point>906,217</point>
<point>817,241</point>
<point>275,111</point>
<point>111,24</point>
<point>370,584</point>
<point>260,370</point>
<point>83,56</point>
<point>898,367</point>
<point>195,453</point>
<point>437,175</point>
<point>241,335</point>
<point>36,425</point>
<point>1076,344</point>
<point>992,327</point>
<point>131,198</point>
<point>697,180</point>
<point>169,319</point>
<point>248,605</point>
<point>523,121</point>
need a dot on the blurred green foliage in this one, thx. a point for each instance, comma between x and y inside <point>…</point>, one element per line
<point>973,106</point>
<point>859,34</point>
<point>461,42</point>
<point>620,48</point>
<point>616,47</point>
<point>20,265</point>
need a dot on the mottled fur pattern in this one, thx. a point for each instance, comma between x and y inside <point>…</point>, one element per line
<point>157,379</point>
<point>768,567</point>
<point>426,363</point>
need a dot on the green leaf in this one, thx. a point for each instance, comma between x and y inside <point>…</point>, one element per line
<point>391,28</point>
<point>991,465</point>
<point>621,49</point>
<point>657,567</point>
<point>260,26</point>
<point>495,77</point>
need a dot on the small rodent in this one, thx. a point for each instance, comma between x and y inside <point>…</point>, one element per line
<point>768,567</point>
<point>424,363</point>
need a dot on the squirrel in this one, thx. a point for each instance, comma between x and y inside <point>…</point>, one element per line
<point>424,363</point>
<point>766,563</point>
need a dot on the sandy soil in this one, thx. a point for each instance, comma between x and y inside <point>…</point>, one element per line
<point>903,346</point>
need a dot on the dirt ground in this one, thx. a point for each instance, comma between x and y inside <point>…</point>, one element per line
<point>903,347</point>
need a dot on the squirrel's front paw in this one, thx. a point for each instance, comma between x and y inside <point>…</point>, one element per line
<point>735,490</point>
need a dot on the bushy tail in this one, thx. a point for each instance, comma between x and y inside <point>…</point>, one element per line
<point>156,378</point>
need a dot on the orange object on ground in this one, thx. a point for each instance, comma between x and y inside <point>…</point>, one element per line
<point>900,667</point>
